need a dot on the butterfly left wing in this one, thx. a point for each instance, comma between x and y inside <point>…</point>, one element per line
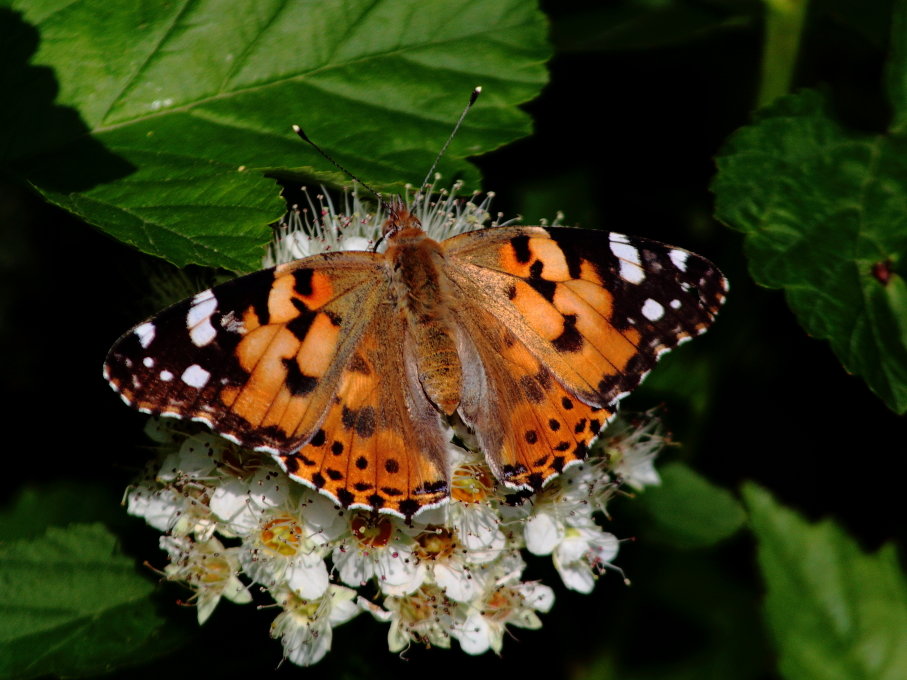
<point>382,444</point>
<point>298,361</point>
<point>577,316</point>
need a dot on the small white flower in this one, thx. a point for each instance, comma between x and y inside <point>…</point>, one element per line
<point>632,445</point>
<point>195,459</point>
<point>208,568</point>
<point>180,512</point>
<point>306,627</point>
<point>456,569</point>
<point>289,544</point>
<point>562,503</point>
<point>379,548</point>
<point>473,511</point>
<point>583,553</point>
<point>516,605</point>
<point>240,503</point>
<point>423,617</point>
<point>279,553</point>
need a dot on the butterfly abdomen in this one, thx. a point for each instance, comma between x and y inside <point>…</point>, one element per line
<point>422,291</point>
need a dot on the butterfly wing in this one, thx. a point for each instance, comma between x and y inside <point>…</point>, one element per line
<point>294,361</point>
<point>382,444</point>
<point>577,316</point>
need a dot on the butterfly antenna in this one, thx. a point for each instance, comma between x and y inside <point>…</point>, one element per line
<point>472,100</point>
<point>304,137</point>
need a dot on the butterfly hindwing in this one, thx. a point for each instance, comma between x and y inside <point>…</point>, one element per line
<point>382,444</point>
<point>529,426</point>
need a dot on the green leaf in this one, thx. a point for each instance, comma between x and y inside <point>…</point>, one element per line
<point>57,504</point>
<point>835,612</point>
<point>824,211</point>
<point>170,115</point>
<point>71,604</point>
<point>689,511</point>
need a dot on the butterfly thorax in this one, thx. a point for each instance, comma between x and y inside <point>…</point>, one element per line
<point>421,292</point>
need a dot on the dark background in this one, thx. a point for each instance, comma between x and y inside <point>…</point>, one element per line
<point>625,139</point>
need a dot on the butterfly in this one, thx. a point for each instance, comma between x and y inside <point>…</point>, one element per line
<point>347,366</point>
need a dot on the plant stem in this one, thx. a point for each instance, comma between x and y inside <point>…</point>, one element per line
<point>783,28</point>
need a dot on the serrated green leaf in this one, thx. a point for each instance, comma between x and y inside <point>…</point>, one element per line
<point>71,604</point>
<point>824,211</point>
<point>835,612</point>
<point>161,104</point>
<point>688,510</point>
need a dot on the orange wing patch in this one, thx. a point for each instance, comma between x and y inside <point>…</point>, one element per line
<point>529,426</point>
<point>382,444</point>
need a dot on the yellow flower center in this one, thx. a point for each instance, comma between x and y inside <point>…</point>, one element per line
<point>421,605</point>
<point>435,543</point>
<point>213,569</point>
<point>282,536</point>
<point>303,610</point>
<point>500,605</point>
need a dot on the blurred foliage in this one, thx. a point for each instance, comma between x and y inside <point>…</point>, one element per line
<point>640,98</point>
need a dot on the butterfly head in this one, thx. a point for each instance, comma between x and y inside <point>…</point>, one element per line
<point>399,219</point>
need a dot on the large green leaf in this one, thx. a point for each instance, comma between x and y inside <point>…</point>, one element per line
<point>58,503</point>
<point>824,211</point>
<point>690,512</point>
<point>71,604</point>
<point>169,114</point>
<point>835,612</point>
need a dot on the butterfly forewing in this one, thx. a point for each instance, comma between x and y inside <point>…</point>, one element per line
<point>257,358</point>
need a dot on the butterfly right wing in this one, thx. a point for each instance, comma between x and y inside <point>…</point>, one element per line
<point>577,318</point>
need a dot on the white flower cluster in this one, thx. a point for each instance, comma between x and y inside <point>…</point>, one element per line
<point>232,518</point>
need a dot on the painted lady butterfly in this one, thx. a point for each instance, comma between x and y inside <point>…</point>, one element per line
<point>345,365</point>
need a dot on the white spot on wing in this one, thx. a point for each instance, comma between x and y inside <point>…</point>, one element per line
<point>203,333</point>
<point>145,334</point>
<point>628,256</point>
<point>148,362</point>
<point>166,376</point>
<point>198,319</point>
<point>652,310</point>
<point>679,258</point>
<point>675,304</point>
<point>195,376</point>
